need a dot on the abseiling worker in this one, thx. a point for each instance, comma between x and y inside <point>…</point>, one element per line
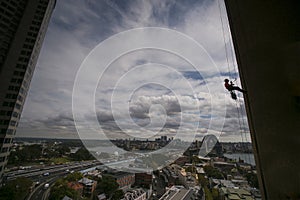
<point>230,86</point>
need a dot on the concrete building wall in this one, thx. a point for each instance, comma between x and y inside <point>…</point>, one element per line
<point>266,36</point>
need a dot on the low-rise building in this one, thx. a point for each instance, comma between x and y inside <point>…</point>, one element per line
<point>88,186</point>
<point>101,197</point>
<point>224,165</point>
<point>143,179</point>
<point>94,173</point>
<point>124,179</point>
<point>76,186</point>
<point>234,193</point>
<point>217,183</point>
<point>137,194</point>
<point>66,198</point>
<point>179,193</point>
<point>182,160</point>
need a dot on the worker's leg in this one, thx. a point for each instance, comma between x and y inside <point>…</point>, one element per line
<point>238,89</point>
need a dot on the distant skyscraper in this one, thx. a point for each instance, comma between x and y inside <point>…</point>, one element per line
<point>22,30</point>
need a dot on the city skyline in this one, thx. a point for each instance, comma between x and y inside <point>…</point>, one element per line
<point>77,27</point>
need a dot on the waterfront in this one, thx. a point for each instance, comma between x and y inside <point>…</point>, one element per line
<point>247,157</point>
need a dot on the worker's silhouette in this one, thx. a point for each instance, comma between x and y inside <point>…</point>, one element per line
<point>230,86</point>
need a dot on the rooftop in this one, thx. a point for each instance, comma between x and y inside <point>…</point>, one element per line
<point>86,181</point>
<point>234,193</point>
<point>178,193</point>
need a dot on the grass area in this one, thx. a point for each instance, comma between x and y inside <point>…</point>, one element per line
<point>60,160</point>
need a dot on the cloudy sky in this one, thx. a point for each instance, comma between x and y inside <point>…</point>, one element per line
<point>145,91</point>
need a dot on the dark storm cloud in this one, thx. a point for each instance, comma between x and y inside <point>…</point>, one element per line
<point>195,75</point>
<point>62,120</point>
<point>104,116</point>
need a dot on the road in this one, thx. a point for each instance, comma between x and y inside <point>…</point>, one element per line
<point>42,193</point>
<point>39,171</point>
<point>39,192</point>
<point>55,172</point>
<point>47,174</point>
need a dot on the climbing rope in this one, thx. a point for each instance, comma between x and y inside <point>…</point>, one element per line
<point>243,132</point>
<point>242,123</point>
<point>224,39</point>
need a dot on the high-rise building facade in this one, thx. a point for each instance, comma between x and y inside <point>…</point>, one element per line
<point>266,36</point>
<point>23,25</point>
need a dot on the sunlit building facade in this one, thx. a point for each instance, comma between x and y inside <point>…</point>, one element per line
<point>22,30</point>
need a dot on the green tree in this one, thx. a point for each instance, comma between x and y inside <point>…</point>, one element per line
<point>16,190</point>
<point>213,172</point>
<point>107,185</point>
<point>76,176</point>
<point>29,153</point>
<point>196,160</point>
<point>191,169</point>
<point>63,149</point>
<point>252,180</point>
<point>204,183</point>
<point>215,193</point>
<point>82,154</point>
<point>61,189</point>
<point>117,195</point>
<point>202,180</point>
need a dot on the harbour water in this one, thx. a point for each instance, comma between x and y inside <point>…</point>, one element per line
<point>246,157</point>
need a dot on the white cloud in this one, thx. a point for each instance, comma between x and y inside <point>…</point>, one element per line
<point>78,26</point>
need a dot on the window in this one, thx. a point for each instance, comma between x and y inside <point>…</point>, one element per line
<point>20,98</point>
<point>29,70</point>
<point>13,123</point>
<point>27,46</point>
<point>2,159</point>
<point>8,96</point>
<point>7,140</point>
<point>22,59</point>
<point>4,149</point>
<point>10,131</point>
<point>20,66</point>
<point>27,77</point>
<point>4,122</point>
<point>18,106</point>
<point>15,114</point>
<point>25,84</point>
<point>22,91</point>
<point>13,88</point>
